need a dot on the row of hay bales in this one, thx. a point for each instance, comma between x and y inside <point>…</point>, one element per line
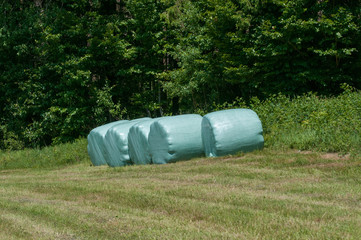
<point>175,138</point>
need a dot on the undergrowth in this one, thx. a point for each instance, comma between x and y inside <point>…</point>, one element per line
<point>314,123</point>
<point>307,122</point>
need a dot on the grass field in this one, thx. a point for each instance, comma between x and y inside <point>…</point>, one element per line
<point>277,193</point>
<point>263,195</point>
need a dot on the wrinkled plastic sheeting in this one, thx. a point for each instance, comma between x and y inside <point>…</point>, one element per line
<point>96,143</point>
<point>138,142</point>
<point>116,140</point>
<point>175,138</point>
<point>231,131</point>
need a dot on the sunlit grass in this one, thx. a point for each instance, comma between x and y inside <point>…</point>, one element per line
<point>263,195</point>
<point>48,157</point>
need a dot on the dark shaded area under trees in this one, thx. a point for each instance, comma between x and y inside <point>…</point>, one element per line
<point>68,66</point>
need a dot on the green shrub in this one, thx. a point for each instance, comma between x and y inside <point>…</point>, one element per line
<point>9,140</point>
<point>310,122</point>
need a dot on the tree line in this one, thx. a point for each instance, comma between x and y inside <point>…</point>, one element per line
<point>69,66</point>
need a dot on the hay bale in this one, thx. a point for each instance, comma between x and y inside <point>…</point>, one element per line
<point>138,142</point>
<point>231,131</point>
<point>116,143</point>
<point>96,147</point>
<point>175,138</point>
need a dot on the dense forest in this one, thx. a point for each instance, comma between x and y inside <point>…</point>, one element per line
<point>68,66</point>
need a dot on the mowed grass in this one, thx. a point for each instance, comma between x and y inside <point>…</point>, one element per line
<point>262,195</point>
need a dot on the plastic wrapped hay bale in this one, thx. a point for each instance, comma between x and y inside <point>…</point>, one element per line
<point>231,131</point>
<point>138,142</point>
<point>116,142</point>
<point>96,147</point>
<point>176,138</point>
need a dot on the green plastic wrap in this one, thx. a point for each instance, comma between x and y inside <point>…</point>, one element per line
<point>116,143</point>
<point>176,138</point>
<point>138,142</point>
<point>231,131</point>
<point>96,146</point>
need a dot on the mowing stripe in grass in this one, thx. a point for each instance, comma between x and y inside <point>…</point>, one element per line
<point>249,197</point>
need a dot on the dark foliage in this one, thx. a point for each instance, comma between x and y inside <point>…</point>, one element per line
<point>68,66</point>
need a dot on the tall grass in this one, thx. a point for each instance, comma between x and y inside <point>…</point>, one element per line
<point>52,156</point>
<point>309,122</point>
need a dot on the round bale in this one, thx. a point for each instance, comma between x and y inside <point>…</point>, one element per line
<point>138,145</point>
<point>231,131</point>
<point>96,147</point>
<point>116,143</point>
<point>176,138</point>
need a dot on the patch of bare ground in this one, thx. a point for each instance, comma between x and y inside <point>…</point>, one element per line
<point>327,165</point>
<point>335,156</point>
<point>330,156</point>
<point>302,152</point>
<point>335,165</point>
<point>338,161</point>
